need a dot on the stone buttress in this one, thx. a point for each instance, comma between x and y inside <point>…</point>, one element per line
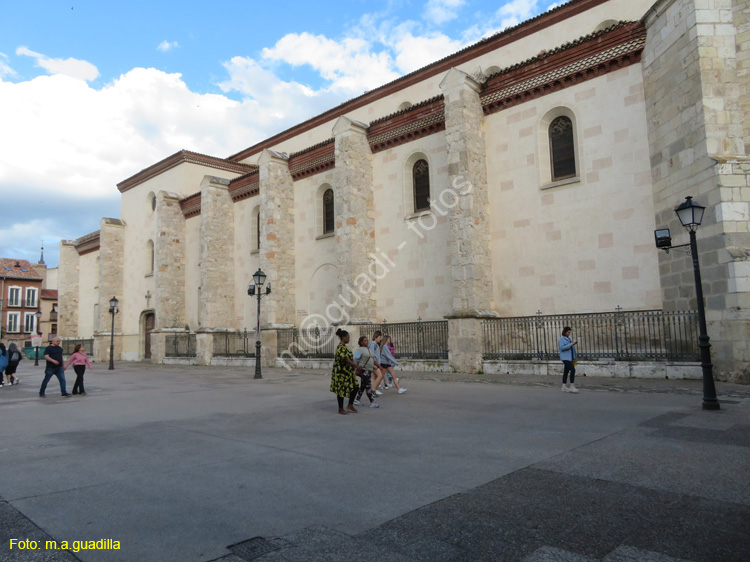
<point>111,284</point>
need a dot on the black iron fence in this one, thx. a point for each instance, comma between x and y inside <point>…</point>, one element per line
<point>308,342</point>
<point>69,345</point>
<point>644,335</point>
<point>416,340</point>
<point>180,345</point>
<point>234,344</point>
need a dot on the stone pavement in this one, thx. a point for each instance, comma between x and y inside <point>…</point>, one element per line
<point>205,463</point>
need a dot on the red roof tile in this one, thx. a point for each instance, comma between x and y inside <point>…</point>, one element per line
<point>11,268</point>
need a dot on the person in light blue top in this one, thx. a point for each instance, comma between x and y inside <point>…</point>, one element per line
<point>388,361</point>
<point>3,362</point>
<point>568,355</point>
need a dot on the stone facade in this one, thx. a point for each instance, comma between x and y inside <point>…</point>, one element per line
<point>216,254</point>
<point>68,282</point>
<point>169,254</point>
<point>276,225</point>
<point>657,109</point>
<point>697,145</point>
<point>111,275</point>
<point>355,220</point>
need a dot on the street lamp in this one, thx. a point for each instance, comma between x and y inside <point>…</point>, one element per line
<point>690,214</point>
<point>259,278</point>
<point>113,302</point>
<point>38,315</point>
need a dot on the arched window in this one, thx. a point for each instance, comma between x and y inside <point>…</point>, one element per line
<point>149,257</point>
<point>256,230</point>
<point>421,180</point>
<point>328,216</point>
<point>562,149</point>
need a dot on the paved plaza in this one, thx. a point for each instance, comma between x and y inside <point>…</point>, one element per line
<point>196,464</point>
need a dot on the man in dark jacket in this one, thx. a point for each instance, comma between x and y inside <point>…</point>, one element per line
<point>54,356</point>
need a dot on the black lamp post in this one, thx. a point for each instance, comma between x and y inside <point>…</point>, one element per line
<point>38,315</point>
<point>113,302</point>
<point>690,214</point>
<point>259,278</point>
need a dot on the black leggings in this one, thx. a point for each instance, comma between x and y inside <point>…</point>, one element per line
<point>78,386</point>
<point>351,399</point>
<point>365,386</point>
<point>569,368</point>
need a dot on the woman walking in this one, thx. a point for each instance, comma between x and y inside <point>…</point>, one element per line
<point>14,358</point>
<point>79,360</point>
<point>568,355</point>
<point>365,362</point>
<point>343,381</point>
<point>3,363</point>
<point>388,361</point>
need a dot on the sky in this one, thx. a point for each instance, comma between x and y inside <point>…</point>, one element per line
<point>92,92</point>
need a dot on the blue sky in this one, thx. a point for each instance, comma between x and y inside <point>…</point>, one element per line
<point>92,92</point>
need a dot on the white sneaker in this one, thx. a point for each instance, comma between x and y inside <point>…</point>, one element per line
<point>565,388</point>
<point>374,405</point>
<point>358,403</point>
<point>377,393</point>
<point>401,390</point>
<point>573,389</point>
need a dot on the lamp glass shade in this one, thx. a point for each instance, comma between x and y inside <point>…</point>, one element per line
<point>690,213</point>
<point>113,302</point>
<point>38,314</point>
<point>259,277</point>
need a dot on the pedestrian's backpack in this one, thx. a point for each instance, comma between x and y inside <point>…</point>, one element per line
<point>16,357</point>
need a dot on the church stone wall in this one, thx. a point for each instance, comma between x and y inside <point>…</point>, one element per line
<point>111,277</point>
<point>68,292</point>
<point>578,245</point>
<point>696,136</point>
<point>412,248</point>
<point>88,295</point>
<point>192,273</point>
<point>247,262</point>
<point>169,262</point>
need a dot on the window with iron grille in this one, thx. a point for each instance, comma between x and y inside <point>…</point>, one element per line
<point>14,296</point>
<point>12,323</point>
<point>29,322</point>
<point>421,178</point>
<point>562,149</point>
<point>328,216</point>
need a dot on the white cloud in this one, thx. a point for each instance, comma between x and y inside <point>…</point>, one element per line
<point>349,65</point>
<point>441,11</point>
<point>416,52</point>
<point>165,46</point>
<point>5,69</point>
<point>515,11</point>
<point>74,68</point>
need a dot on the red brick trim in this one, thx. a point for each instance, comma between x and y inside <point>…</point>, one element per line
<point>405,126</point>
<point>245,186</point>
<point>573,63</point>
<point>313,160</point>
<point>191,205</point>
<point>506,37</point>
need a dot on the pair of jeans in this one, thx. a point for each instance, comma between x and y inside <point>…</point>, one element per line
<point>569,368</point>
<point>57,371</point>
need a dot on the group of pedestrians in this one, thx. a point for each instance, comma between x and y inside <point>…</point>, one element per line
<point>53,354</point>
<point>373,362</point>
<point>9,360</point>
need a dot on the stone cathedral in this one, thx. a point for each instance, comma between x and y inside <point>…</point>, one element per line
<point>524,173</point>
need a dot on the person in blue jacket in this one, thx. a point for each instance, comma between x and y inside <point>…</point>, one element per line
<point>568,354</point>
<point>3,362</point>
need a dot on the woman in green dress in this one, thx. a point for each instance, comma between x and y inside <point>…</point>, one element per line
<point>343,380</point>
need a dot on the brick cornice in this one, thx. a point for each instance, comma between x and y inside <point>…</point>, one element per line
<point>245,186</point>
<point>313,160</point>
<point>191,205</point>
<point>573,63</point>
<point>505,37</point>
<point>182,157</point>
<point>420,120</point>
